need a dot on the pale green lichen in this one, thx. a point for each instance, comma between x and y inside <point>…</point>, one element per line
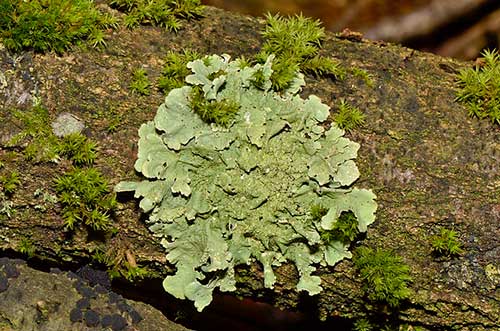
<point>223,195</point>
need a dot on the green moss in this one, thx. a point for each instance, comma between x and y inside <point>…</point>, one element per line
<point>85,198</point>
<point>362,325</point>
<point>446,243</point>
<point>295,41</point>
<point>51,25</point>
<point>134,272</point>
<point>479,88</point>
<point>175,69</point>
<point>384,274</point>
<point>213,111</point>
<point>164,13</point>
<point>77,148</point>
<point>113,122</point>
<point>42,145</point>
<point>317,212</point>
<point>140,82</point>
<point>344,230</point>
<point>26,246</point>
<point>363,74</point>
<point>10,182</point>
<point>348,117</point>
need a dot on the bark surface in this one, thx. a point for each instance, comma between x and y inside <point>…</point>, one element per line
<point>429,163</point>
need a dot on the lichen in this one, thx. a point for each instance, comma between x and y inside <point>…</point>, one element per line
<point>223,195</point>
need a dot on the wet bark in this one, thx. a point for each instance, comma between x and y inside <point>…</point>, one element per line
<point>429,163</point>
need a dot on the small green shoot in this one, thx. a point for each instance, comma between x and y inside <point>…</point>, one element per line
<point>132,273</point>
<point>37,134</point>
<point>363,74</point>
<point>385,275</point>
<point>114,121</point>
<point>51,25</point>
<point>175,69</point>
<point>345,229</point>
<point>362,325</point>
<point>317,212</point>
<point>213,111</point>
<point>140,82</point>
<point>348,117</point>
<point>10,182</point>
<point>480,88</point>
<point>446,243</point>
<point>85,198</point>
<point>117,264</point>
<point>77,148</point>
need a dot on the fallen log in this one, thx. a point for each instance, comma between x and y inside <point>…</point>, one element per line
<point>429,163</point>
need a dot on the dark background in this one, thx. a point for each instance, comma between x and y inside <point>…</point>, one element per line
<point>456,28</point>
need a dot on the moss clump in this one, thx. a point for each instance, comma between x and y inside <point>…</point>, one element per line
<point>446,243</point>
<point>140,82</point>
<point>295,41</point>
<point>363,74</point>
<point>77,148</point>
<point>164,13</point>
<point>86,198</point>
<point>213,111</point>
<point>317,212</point>
<point>51,25</point>
<point>344,230</point>
<point>480,88</point>
<point>175,69</point>
<point>362,325</point>
<point>26,246</point>
<point>385,275</point>
<point>348,117</point>
<point>42,145</point>
<point>10,182</point>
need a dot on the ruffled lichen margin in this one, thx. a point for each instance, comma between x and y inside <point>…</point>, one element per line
<point>221,196</point>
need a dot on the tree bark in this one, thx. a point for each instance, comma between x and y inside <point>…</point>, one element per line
<point>429,163</point>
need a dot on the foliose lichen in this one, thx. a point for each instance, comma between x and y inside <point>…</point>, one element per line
<point>223,195</point>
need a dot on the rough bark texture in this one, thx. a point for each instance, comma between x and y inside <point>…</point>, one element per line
<point>429,163</point>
